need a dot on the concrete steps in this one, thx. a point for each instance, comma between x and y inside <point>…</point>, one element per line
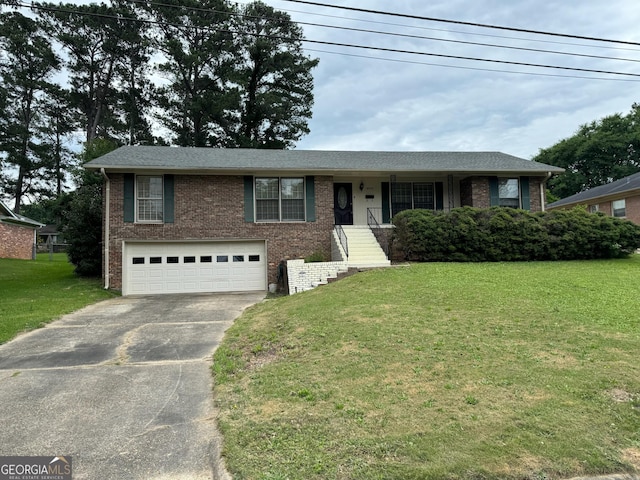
<point>364,249</point>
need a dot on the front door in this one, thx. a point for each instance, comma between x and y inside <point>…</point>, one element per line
<point>343,203</point>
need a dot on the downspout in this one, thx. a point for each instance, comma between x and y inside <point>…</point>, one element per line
<point>106,228</point>
<point>542,184</point>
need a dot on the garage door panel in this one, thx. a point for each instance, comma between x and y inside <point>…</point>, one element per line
<point>194,267</point>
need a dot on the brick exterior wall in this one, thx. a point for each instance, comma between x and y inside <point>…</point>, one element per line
<point>16,241</point>
<point>474,192</point>
<point>211,207</point>
<point>632,208</point>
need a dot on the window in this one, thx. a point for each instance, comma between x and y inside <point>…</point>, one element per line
<point>149,198</point>
<point>172,260</point>
<point>138,260</point>
<point>155,260</point>
<point>254,258</point>
<point>280,199</point>
<point>189,260</point>
<point>222,259</point>
<point>509,192</point>
<point>205,259</point>
<point>594,208</point>
<point>238,258</point>
<point>619,208</point>
<point>407,196</point>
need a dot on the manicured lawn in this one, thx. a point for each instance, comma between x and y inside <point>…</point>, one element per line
<point>37,292</point>
<point>438,371</point>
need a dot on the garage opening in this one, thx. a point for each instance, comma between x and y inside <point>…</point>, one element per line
<point>151,268</point>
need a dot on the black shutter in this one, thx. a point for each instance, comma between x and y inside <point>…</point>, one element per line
<point>386,207</point>
<point>439,196</point>
<point>310,192</point>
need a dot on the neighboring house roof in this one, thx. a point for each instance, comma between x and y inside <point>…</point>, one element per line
<point>249,160</point>
<point>50,229</point>
<point>7,216</point>
<point>617,188</point>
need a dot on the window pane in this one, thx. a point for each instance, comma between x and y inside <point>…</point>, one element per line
<point>150,210</point>
<point>149,196</point>
<point>619,208</point>
<point>423,196</point>
<point>400,197</point>
<point>292,188</point>
<point>267,210</point>
<point>266,188</point>
<point>509,192</point>
<point>293,210</point>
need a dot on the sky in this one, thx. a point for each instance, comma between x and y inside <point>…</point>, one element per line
<point>385,103</point>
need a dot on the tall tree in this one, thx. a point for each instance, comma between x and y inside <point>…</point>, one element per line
<point>27,63</point>
<point>194,38</point>
<point>598,153</point>
<point>91,36</point>
<point>275,79</point>
<point>55,134</point>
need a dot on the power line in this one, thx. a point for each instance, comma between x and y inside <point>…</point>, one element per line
<point>458,57</point>
<point>337,44</point>
<point>393,34</point>
<point>461,67</point>
<point>460,22</point>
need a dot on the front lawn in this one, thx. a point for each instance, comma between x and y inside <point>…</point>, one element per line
<point>438,371</point>
<point>37,292</point>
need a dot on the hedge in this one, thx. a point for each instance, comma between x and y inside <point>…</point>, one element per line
<point>469,234</point>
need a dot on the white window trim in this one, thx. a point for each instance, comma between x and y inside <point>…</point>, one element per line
<point>136,200</point>
<point>517,179</point>
<point>613,210</point>
<point>304,200</point>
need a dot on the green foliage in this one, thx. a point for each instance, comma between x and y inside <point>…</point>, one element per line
<point>600,152</point>
<point>82,221</point>
<point>504,234</point>
<point>315,257</point>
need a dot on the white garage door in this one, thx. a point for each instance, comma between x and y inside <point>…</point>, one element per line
<point>152,268</point>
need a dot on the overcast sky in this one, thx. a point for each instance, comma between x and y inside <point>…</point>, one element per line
<point>379,104</point>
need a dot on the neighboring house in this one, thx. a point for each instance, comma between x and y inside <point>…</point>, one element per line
<point>618,199</point>
<point>208,219</point>
<point>17,235</point>
<point>50,239</point>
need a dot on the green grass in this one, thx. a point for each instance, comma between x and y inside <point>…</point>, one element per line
<point>438,371</point>
<point>35,292</point>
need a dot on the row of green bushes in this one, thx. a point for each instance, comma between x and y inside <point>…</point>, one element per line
<point>505,234</point>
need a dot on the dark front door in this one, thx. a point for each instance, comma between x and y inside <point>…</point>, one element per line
<point>343,203</point>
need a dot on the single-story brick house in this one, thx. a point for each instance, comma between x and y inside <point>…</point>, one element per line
<point>618,199</point>
<point>17,234</point>
<point>208,219</point>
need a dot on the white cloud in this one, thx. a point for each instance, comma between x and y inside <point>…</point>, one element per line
<point>363,104</point>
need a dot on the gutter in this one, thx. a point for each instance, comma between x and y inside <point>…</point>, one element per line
<point>542,184</point>
<point>106,227</point>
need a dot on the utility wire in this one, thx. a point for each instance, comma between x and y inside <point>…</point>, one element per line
<point>419,27</point>
<point>335,44</point>
<point>413,62</point>
<point>460,22</point>
<point>394,34</point>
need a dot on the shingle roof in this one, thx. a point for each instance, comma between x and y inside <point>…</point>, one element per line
<point>251,160</point>
<point>618,187</point>
<point>7,215</point>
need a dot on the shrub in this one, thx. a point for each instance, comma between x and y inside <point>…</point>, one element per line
<point>505,234</point>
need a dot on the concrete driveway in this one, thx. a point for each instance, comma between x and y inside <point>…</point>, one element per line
<point>122,386</point>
